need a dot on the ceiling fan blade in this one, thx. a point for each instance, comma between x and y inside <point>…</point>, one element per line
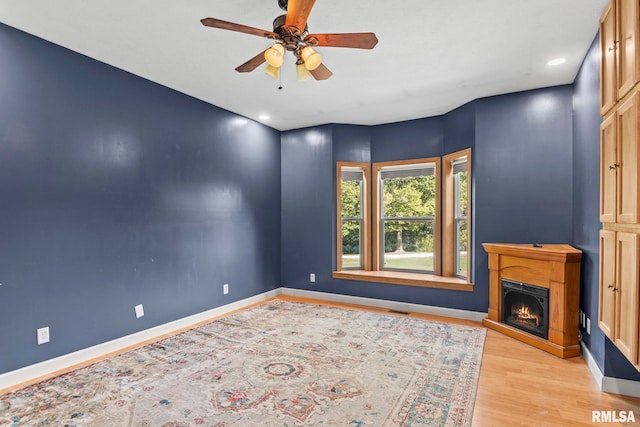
<point>297,13</point>
<point>252,64</point>
<point>355,40</point>
<point>225,25</point>
<point>321,73</point>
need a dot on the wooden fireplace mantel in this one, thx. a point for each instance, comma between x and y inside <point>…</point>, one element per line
<point>555,267</point>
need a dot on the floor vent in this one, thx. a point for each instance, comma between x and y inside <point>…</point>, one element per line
<point>399,312</point>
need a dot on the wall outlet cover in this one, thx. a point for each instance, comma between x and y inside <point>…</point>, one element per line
<point>312,277</point>
<point>139,311</point>
<point>43,335</point>
<point>225,288</point>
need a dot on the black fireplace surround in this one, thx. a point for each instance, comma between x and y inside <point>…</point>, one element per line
<point>525,307</point>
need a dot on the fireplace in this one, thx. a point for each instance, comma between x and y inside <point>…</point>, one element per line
<point>534,295</point>
<point>525,307</point>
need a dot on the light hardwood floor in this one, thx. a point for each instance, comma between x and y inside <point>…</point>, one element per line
<point>521,385</point>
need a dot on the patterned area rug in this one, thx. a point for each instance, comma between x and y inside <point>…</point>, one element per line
<point>278,364</point>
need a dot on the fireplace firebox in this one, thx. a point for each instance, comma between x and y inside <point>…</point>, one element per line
<point>525,307</point>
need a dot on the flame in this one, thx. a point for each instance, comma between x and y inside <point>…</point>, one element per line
<point>523,312</point>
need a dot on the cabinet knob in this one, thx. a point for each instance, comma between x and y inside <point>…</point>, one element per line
<point>614,166</point>
<point>615,45</point>
<point>610,286</point>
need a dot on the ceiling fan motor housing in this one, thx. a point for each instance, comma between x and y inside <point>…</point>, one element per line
<point>283,4</point>
<point>290,39</point>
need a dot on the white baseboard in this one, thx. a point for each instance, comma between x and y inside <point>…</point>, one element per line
<point>391,305</point>
<point>609,384</point>
<point>591,363</point>
<point>39,370</point>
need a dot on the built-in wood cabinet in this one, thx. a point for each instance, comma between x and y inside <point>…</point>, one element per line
<point>619,293</point>
<point>619,46</point>
<point>619,290</point>
<point>619,163</point>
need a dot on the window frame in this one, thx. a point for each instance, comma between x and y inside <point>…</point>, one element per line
<point>378,244</point>
<point>365,245</point>
<point>444,277</point>
<point>449,214</point>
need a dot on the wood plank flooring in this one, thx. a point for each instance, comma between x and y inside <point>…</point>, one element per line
<point>521,385</point>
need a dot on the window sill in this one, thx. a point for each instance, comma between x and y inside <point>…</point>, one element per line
<point>409,279</point>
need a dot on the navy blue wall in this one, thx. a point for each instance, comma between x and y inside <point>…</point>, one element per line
<point>586,194</point>
<point>116,191</point>
<point>408,140</point>
<point>306,204</point>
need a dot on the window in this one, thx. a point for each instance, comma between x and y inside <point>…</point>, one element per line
<point>416,229</point>
<point>407,204</point>
<point>353,215</point>
<point>457,172</point>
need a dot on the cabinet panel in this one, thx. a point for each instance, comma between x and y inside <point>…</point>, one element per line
<point>608,160</point>
<point>606,309</point>
<point>626,294</point>
<point>608,79</point>
<point>627,159</point>
<point>627,46</point>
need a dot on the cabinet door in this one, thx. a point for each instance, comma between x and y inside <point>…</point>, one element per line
<point>606,309</point>
<point>627,159</point>
<point>608,85</point>
<point>626,290</point>
<point>627,46</point>
<point>608,170</point>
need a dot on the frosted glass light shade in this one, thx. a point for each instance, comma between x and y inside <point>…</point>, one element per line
<point>274,55</point>
<point>302,72</point>
<point>272,71</point>
<point>311,58</point>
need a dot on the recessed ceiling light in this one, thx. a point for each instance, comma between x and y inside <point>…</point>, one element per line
<point>556,61</point>
<point>264,117</point>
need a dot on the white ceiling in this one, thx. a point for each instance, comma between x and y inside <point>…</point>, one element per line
<point>432,56</point>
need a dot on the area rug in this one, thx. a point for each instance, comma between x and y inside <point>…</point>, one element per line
<point>281,363</point>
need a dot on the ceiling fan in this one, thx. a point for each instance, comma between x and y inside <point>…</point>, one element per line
<point>290,32</point>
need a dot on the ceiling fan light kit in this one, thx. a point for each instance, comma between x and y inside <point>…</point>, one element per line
<point>311,58</point>
<point>272,71</point>
<point>302,73</point>
<point>275,55</point>
<point>288,36</point>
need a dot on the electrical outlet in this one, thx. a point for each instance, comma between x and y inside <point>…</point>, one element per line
<point>139,311</point>
<point>312,277</point>
<point>225,288</point>
<point>588,326</point>
<point>43,335</point>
